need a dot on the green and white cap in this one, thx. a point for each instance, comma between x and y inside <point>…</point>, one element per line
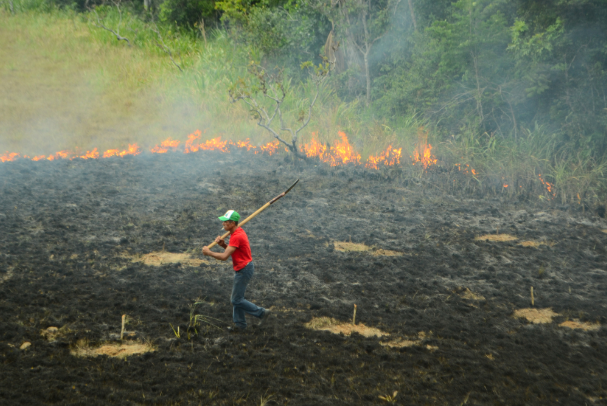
<point>230,215</point>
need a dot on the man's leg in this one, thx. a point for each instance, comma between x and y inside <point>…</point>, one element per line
<point>242,306</point>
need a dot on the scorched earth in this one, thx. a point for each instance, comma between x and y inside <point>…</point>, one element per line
<point>441,280</point>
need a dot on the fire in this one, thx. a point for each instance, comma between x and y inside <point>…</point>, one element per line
<point>423,155</point>
<point>391,156</point>
<point>210,145</point>
<point>165,145</point>
<point>90,154</point>
<point>58,155</point>
<point>466,170</point>
<point>244,144</point>
<point>9,157</point>
<point>340,153</point>
<point>269,148</point>
<point>549,186</point>
<point>132,150</point>
<point>193,145</point>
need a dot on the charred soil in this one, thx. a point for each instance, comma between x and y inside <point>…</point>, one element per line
<point>84,242</point>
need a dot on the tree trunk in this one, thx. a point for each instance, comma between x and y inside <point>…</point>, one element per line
<point>368,75</point>
<point>146,4</point>
<point>412,15</point>
<point>10,5</point>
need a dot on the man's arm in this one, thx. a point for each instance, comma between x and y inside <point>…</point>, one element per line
<point>222,256</point>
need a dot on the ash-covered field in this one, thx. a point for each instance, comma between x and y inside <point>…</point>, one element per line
<point>84,242</point>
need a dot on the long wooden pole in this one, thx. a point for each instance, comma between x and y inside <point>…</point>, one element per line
<point>265,206</point>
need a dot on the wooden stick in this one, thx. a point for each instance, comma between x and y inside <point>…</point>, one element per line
<point>532,301</point>
<point>354,316</point>
<point>265,206</point>
<point>123,321</point>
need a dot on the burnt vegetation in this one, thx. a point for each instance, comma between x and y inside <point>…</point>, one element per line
<point>73,231</point>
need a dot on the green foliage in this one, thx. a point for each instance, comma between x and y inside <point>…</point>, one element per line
<point>284,34</point>
<point>188,13</point>
<point>511,88</point>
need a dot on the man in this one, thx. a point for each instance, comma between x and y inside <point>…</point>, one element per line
<point>240,251</point>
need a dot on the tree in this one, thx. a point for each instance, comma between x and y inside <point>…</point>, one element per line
<point>358,25</point>
<point>265,93</point>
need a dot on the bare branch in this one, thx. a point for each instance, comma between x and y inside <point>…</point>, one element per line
<point>272,88</point>
<point>163,46</point>
<point>117,34</point>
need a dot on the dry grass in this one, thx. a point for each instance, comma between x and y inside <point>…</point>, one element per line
<point>336,327</point>
<point>536,316</point>
<point>409,342</point>
<point>535,244</point>
<point>386,253</point>
<point>67,88</point>
<point>112,350</point>
<point>467,294</point>
<point>400,343</point>
<point>343,246</point>
<point>576,324</point>
<point>496,238</point>
<point>50,333</point>
<point>161,258</point>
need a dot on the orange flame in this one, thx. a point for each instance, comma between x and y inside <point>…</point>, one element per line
<point>244,144</point>
<point>549,186</point>
<point>466,170</point>
<point>9,157</point>
<point>423,155</point>
<point>210,145</point>
<point>90,154</point>
<point>110,153</point>
<point>132,150</point>
<point>389,157</point>
<point>165,145</point>
<point>59,155</point>
<point>269,148</point>
<point>340,153</point>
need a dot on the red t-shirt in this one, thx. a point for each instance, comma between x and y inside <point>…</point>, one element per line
<point>242,256</point>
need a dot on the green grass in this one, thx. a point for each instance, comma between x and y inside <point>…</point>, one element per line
<point>68,84</point>
<point>71,84</point>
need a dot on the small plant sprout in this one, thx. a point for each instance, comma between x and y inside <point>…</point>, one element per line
<point>389,398</point>
<point>263,401</point>
<point>354,316</point>
<point>196,319</point>
<point>532,300</point>
<point>123,323</point>
<point>177,332</point>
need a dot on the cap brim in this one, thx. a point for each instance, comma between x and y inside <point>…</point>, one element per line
<point>222,218</point>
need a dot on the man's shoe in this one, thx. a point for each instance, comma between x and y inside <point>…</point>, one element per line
<point>264,317</point>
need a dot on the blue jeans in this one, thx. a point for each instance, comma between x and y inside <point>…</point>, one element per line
<point>241,305</point>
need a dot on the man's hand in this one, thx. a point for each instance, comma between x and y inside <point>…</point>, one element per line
<point>220,242</point>
<point>206,251</point>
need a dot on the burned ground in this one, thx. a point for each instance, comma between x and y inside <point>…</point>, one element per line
<point>72,231</point>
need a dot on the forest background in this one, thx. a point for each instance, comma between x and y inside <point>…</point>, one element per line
<point>516,89</point>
